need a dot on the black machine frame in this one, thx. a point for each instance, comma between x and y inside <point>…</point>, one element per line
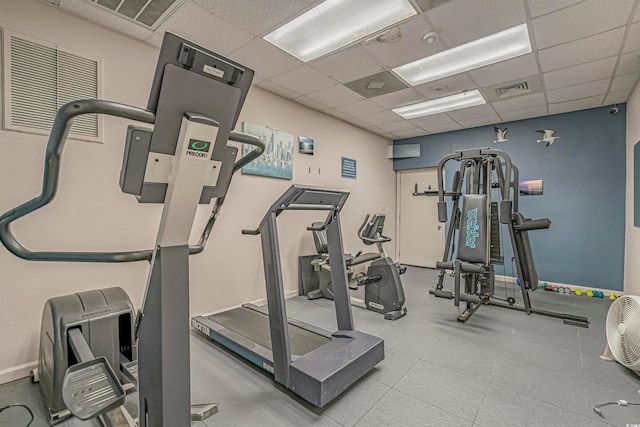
<point>476,175</point>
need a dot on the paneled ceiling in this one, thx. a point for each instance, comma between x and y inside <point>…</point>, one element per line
<point>586,53</point>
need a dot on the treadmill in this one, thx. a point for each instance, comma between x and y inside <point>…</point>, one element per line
<point>316,364</point>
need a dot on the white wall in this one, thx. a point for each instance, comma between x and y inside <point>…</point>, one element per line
<point>632,237</point>
<point>90,212</point>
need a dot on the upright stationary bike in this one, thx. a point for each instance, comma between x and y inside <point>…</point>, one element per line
<point>383,292</point>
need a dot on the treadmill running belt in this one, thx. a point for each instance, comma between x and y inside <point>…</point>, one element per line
<point>255,327</point>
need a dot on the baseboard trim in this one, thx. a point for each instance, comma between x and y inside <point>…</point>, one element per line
<point>606,292</point>
<point>17,372</point>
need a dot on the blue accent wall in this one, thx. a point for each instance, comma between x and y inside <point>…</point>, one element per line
<point>584,190</point>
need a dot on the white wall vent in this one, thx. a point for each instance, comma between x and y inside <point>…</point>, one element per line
<point>39,78</point>
<point>149,13</point>
<point>520,88</point>
<point>512,89</point>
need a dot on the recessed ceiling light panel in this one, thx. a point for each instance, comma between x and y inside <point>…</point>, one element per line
<point>336,23</point>
<point>478,53</point>
<point>441,105</point>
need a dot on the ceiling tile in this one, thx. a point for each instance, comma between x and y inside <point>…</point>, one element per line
<point>627,81</point>
<point>510,116</point>
<point>335,96</point>
<point>256,17</point>
<point>361,108</point>
<point>91,12</point>
<point>377,84</point>
<point>408,48</point>
<point>512,69</point>
<point>471,113</point>
<point>272,87</point>
<point>311,103</point>
<point>194,23</point>
<point>444,128</point>
<point>266,59</point>
<point>580,51</point>
<point>481,121</point>
<point>410,133</point>
<point>337,114</point>
<point>348,64</point>
<point>462,21</point>
<point>436,119</point>
<point>581,20</point>
<point>446,86</point>
<point>519,103</point>
<point>581,104</point>
<point>381,118</point>
<point>578,91</point>
<point>580,73</point>
<point>360,123</point>
<point>633,38</point>
<point>629,63</point>
<point>304,80</point>
<point>636,17</point>
<point>617,97</point>
<point>399,99</point>
<point>542,7</point>
<point>398,126</point>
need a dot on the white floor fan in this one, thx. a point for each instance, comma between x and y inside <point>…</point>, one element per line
<point>623,332</point>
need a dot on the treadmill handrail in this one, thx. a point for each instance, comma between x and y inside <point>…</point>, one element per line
<point>55,146</point>
<point>289,201</point>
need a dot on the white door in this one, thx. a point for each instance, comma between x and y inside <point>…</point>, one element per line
<point>421,236</point>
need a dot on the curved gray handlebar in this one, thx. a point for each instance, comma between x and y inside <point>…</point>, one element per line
<point>245,138</point>
<point>381,239</point>
<point>55,146</point>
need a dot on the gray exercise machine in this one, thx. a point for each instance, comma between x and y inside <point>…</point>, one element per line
<point>93,345</point>
<point>383,291</point>
<point>477,219</point>
<point>316,364</point>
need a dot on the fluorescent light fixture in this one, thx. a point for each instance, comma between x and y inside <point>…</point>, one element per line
<point>485,51</point>
<point>336,23</point>
<point>448,103</point>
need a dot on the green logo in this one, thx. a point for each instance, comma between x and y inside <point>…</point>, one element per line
<point>197,145</point>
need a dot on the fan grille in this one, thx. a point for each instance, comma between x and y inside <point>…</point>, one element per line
<point>623,331</point>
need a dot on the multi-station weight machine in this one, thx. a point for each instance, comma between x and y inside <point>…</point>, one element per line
<point>477,219</point>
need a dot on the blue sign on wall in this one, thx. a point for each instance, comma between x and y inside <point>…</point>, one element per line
<point>348,168</point>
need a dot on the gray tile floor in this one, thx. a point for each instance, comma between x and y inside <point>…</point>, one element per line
<point>502,368</point>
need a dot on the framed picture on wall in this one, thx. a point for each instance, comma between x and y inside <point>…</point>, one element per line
<point>530,188</point>
<point>305,145</point>
<point>277,159</point>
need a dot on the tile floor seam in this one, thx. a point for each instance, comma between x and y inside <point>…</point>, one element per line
<point>253,413</point>
<point>368,410</point>
<point>480,405</point>
<point>436,406</point>
<point>404,375</point>
<point>433,405</point>
<point>547,403</point>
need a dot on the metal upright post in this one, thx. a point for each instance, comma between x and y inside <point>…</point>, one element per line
<point>163,354</point>
<point>339,280</point>
<point>276,300</point>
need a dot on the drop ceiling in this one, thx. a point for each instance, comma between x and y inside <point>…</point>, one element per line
<point>586,54</point>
